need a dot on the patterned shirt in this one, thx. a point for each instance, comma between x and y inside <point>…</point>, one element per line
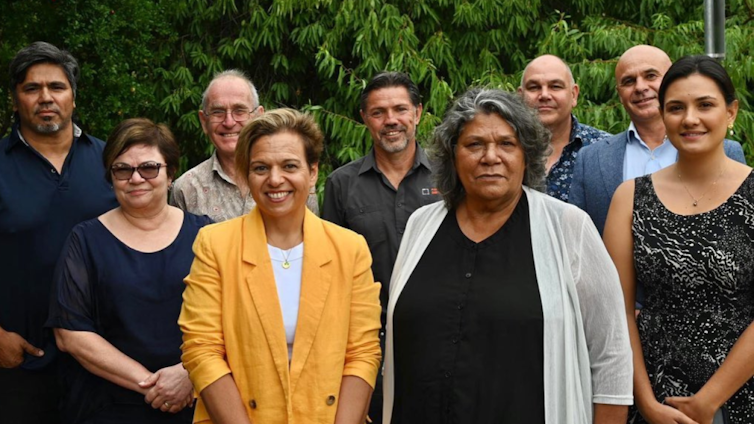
<point>559,178</point>
<point>207,190</point>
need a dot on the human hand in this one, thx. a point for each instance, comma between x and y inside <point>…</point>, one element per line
<point>170,389</point>
<point>702,412</point>
<point>12,348</point>
<point>658,413</point>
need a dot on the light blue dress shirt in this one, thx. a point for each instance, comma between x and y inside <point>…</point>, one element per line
<point>640,160</point>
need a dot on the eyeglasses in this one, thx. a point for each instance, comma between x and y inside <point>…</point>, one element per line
<point>147,170</point>
<point>239,115</point>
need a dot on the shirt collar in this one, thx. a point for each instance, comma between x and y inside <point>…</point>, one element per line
<point>16,136</point>
<point>574,130</point>
<point>217,168</point>
<point>633,133</point>
<point>370,163</point>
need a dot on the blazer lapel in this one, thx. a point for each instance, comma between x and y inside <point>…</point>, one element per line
<point>611,164</point>
<point>261,284</point>
<point>315,285</point>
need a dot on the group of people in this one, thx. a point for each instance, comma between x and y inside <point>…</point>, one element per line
<point>456,285</point>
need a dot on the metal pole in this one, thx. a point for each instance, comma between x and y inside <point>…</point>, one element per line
<point>714,29</point>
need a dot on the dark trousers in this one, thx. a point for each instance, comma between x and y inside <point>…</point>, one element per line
<point>29,397</point>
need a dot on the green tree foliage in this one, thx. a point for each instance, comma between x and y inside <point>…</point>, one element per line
<point>154,57</point>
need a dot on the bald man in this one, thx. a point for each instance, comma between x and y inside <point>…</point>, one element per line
<point>638,151</point>
<point>547,85</point>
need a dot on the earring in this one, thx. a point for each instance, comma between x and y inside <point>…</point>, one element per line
<point>730,129</point>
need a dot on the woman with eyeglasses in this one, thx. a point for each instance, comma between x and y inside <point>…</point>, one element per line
<point>118,287</point>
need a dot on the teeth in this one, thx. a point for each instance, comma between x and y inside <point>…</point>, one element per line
<point>231,135</point>
<point>278,195</point>
<point>389,133</point>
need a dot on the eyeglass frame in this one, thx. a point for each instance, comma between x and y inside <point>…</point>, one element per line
<point>214,118</point>
<point>138,168</point>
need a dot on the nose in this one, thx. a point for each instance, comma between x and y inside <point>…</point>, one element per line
<point>641,85</point>
<point>490,155</point>
<point>136,178</point>
<point>229,121</point>
<point>544,94</point>
<point>690,118</point>
<point>44,95</point>
<point>390,117</point>
<point>276,176</point>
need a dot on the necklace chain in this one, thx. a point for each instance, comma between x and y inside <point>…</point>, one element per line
<point>696,201</point>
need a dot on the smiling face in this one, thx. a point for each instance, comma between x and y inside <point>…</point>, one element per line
<point>695,114</point>
<point>391,118</point>
<point>137,193</point>
<point>489,159</point>
<point>44,100</point>
<point>227,94</point>
<point>279,177</point>
<point>548,87</point>
<point>638,76</point>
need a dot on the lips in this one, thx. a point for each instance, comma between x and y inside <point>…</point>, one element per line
<point>644,101</point>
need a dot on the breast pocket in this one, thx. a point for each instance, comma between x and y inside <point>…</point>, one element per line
<point>368,221</point>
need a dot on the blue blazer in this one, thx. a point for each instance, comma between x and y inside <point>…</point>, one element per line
<point>598,172</point>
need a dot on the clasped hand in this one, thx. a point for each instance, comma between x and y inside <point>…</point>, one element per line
<point>680,410</point>
<point>169,389</point>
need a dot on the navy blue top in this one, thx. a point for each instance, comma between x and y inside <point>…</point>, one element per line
<point>38,208</point>
<point>130,298</point>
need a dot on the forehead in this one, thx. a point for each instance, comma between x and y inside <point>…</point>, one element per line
<point>138,153</point>
<point>383,97</point>
<point>487,123</point>
<point>546,69</point>
<point>640,63</point>
<point>229,91</point>
<point>281,145</point>
<point>694,86</point>
<point>45,73</point>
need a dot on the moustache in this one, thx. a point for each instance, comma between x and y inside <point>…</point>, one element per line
<point>41,109</point>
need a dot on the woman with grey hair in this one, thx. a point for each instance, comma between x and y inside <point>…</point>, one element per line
<point>504,304</point>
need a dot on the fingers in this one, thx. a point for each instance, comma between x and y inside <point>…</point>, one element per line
<point>150,381</point>
<point>30,349</point>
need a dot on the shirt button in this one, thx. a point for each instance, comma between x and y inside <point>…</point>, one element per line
<point>468,275</point>
<point>455,341</point>
<point>448,374</point>
<point>330,400</point>
<point>253,404</point>
<point>460,306</point>
<point>400,205</point>
<point>400,231</point>
<point>52,170</point>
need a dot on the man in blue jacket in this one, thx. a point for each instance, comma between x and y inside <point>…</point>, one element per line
<point>640,150</point>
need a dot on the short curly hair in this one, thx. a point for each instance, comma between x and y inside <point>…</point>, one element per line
<point>533,136</point>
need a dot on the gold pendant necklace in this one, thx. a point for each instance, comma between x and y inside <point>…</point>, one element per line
<point>286,254</point>
<point>696,201</point>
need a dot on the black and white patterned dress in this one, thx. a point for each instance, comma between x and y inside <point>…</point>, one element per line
<point>698,273</point>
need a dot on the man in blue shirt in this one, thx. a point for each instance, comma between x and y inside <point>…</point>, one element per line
<point>52,178</point>
<point>547,85</point>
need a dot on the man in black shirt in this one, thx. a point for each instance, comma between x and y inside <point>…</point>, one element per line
<point>375,195</point>
<point>52,178</point>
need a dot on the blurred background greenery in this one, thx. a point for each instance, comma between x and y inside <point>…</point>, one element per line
<point>153,58</point>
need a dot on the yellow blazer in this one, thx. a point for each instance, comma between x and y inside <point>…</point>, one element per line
<point>232,321</point>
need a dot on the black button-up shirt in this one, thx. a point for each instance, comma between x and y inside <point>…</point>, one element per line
<point>358,196</point>
<point>38,208</point>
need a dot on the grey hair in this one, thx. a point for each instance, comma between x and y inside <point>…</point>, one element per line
<point>568,68</point>
<point>231,73</point>
<point>533,136</point>
<point>42,52</point>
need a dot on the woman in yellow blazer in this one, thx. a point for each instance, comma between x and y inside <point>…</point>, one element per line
<point>281,314</point>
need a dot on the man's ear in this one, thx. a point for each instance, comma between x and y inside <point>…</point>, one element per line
<point>575,91</point>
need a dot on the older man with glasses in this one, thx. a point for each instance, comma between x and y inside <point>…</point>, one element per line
<point>212,188</point>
